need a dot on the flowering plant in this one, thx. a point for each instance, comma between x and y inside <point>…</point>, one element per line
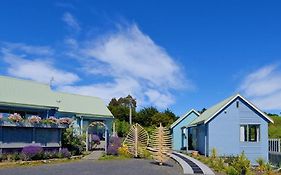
<point>32,152</point>
<point>15,117</point>
<point>64,153</point>
<point>52,120</point>
<point>114,144</point>
<point>95,140</point>
<point>34,119</point>
<point>65,121</point>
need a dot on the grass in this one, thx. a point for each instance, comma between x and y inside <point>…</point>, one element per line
<point>112,157</point>
<point>274,130</point>
<point>34,163</point>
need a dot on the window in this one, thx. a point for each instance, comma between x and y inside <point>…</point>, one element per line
<point>250,133</point>
<point>237,104</point>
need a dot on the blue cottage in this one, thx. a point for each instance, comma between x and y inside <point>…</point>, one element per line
<point>178,129</point>
<point>232,126</point>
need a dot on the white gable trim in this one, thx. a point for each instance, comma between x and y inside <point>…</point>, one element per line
<point>248,102</point>
<point>183,117</point>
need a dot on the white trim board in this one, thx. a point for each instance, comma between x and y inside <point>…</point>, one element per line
<point>183,117</point>
<point>248,102</point>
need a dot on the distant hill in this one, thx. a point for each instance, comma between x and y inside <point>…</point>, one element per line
<point>274,130</point>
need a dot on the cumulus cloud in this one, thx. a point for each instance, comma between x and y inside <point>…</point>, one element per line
<point>126,61</point>
<point>128,52</point>
<point>39,69</point>
<point>263,86</point>
<point>70,20</point>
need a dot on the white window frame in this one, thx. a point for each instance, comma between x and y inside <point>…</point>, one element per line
<point>247,139</point>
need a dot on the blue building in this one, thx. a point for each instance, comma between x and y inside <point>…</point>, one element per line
<point>178,129</point>
<point>26,98</point>
<point>232,126</point>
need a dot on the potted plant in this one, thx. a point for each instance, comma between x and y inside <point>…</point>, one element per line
<point>34,120</point>
<point>16,118</point>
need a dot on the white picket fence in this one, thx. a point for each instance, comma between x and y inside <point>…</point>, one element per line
<point>274,145</point>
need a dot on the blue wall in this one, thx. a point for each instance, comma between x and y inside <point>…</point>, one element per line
<point>178,140</point>
<point>224,132</point>
<point>201,132</point>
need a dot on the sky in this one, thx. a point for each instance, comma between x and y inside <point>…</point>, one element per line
<point>168,54</point>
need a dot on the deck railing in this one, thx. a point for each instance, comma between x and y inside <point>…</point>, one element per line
<point>274,145</point>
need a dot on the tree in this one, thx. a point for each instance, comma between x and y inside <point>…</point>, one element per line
<point>144,116</point>
<point>120,108</point>
<point>163,118</point>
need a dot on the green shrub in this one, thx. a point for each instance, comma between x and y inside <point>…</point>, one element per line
<point>231,171</point>
<point>213,154</point>
<point>268,169</point>
<point>74,143</point>
<point>242,164</point>
<point>261,164</point>
<point>15,156</point>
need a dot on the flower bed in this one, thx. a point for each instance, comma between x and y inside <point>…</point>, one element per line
<point>235,165</point>
<point>34,152</point>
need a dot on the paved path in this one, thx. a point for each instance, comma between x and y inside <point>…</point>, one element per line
<point>191,165</point>
<point>94,155</point>
<point>106,167</point>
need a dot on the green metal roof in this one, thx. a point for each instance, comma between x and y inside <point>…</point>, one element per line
<point>211,111</point>
<point>26,93</point>
<point>81,104</point>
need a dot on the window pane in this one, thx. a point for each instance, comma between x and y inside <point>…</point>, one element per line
<point>253,133</point>
<point>243,133</point>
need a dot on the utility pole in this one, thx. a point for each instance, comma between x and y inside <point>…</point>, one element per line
<point>130,114</point>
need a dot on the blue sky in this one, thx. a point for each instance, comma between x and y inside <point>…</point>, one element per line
<point>176,54</point>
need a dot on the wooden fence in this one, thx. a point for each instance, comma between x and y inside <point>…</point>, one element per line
<point>274,145</point>
<point>274,148</point>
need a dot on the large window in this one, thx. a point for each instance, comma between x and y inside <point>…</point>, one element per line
<point>250,133</point>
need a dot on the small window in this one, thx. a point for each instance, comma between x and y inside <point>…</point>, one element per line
<point>249,133</point>
<point>237,104</point>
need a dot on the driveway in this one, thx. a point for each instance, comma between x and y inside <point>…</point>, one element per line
<point>106,167</point>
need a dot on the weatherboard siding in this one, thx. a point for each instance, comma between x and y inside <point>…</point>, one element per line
<point>178,141</point>
<point>201,132</point>
<point>224,132</point>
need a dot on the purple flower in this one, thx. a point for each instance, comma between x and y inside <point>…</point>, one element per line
<point>32,152</point>
<point>65,153</point>
<point>114,144</point>
<point>96,139</point>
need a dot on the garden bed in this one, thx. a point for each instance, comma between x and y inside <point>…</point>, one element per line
<point>8,164</point>
<point>235,165</point>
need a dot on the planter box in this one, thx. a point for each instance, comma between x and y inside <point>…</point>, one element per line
<point>30,125</point>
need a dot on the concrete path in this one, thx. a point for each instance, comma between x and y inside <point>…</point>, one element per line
<point>191,165</point>
<point>95,155</point>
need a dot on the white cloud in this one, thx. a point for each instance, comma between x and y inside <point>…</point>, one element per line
<point>263,86</point>
<point>130,53</point>
<point>126,61</point>
<point>162,100</point>
<point>28,49</point>
<point>71,21</point>
<point>106,91</point>
<point>40,70</point>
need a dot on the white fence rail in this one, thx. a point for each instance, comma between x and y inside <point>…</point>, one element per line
<point>274,145</point>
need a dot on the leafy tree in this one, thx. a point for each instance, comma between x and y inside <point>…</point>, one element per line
<point>122,128</point>
<point>161,118</point>
<point>144,116</point>
<point>120,108</point>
